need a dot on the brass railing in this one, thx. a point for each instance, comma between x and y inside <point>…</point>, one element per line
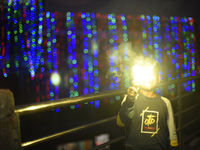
<point>48,105</point>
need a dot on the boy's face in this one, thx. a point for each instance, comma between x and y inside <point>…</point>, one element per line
<point>150,83</point>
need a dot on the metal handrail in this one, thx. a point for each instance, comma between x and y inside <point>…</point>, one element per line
<point>64,102</point>
<point>56,135</point>
<point>48,105</point>
<point>43,106</point>
<point>180,80</point>
<point>192,135</point>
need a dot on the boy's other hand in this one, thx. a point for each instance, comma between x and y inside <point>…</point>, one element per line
<point>132,92</point>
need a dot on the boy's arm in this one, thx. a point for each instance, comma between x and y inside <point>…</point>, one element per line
<point>125,114</point>
<point>171,126</point>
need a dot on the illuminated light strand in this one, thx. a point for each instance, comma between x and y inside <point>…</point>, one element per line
<point>30,40</point>
<point>3,48</point>
<point>102,26</point>
<point>120,26</point>
<point>174,54</point>
<point>25,27</point>
<point>125,39</point>
<point>171,55</point>
<point>76,56</point>
<point>45,60</point>
<point>186,57</point>
<point>95,49</point>
<point>42,58</point>
<point>169,45</point>
<point>166,53</point>
<point>1,39</point>
<point>50,92</point>
<point>150,38</point>
<point>165,21</point>
<point>90,57</point>
<point>71,42</point>
<point>180,49</point>
<point>112,30</point>
<point>71,45</point>
<point>114,53</point>
<point>192,49</point>
<point>21,35</point>
<point>15,35</point>
<point>30,27</point>
<point>86,64</point>
<point>185,47</point>
<point>74,59</point>
<point>40,38</point>
<point>34,50</point>
<point>39,35</point>
<point>55,92</point>
<point>7,47</point>
<point>157,46</point>
<point>144,35</point>
<point>33,41</point>
<point>155,37</point>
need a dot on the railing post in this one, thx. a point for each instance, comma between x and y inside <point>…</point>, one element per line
<point>9,133</point>
<point>180,116</point>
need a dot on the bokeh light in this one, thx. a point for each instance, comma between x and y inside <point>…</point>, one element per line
<point>55,78</point>
<point>85,49</point>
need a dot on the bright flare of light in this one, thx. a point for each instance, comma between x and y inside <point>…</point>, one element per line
<point>55,78</point>
<point>142,75</point>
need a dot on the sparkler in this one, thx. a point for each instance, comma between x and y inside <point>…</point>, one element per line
<point>143,75</point>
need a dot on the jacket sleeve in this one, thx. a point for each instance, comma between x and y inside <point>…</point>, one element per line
<point>171,124</point>
<point>126,112</point>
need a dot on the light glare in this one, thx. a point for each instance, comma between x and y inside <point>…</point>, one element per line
<point>55,78</point>
<point>142,75</point>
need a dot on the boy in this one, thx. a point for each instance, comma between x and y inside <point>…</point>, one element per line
<point>147,116</point>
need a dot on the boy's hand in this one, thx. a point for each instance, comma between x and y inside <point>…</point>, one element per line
<point>131,92</point>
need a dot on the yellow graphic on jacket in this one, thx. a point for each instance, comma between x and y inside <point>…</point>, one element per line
<point>155,132</point>
<point>144,111</point>
<point>149,120</point>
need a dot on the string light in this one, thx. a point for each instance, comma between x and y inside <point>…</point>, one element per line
<point>125,39</point>
<point>192,48</point>
<point>72,61</point>
<point>95,49</point>
<point>82,46</point>
<point>112,25</point>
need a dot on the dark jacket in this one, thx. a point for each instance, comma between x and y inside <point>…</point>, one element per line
<point>149,123</point>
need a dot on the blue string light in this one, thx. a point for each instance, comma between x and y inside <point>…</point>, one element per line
<point>125,39</point>
<point>144,35</point>
<point>36,34</point>
<point>95,49</point>
<point>150,38</point>
<point>72,60</point>
<point>157,45</point>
